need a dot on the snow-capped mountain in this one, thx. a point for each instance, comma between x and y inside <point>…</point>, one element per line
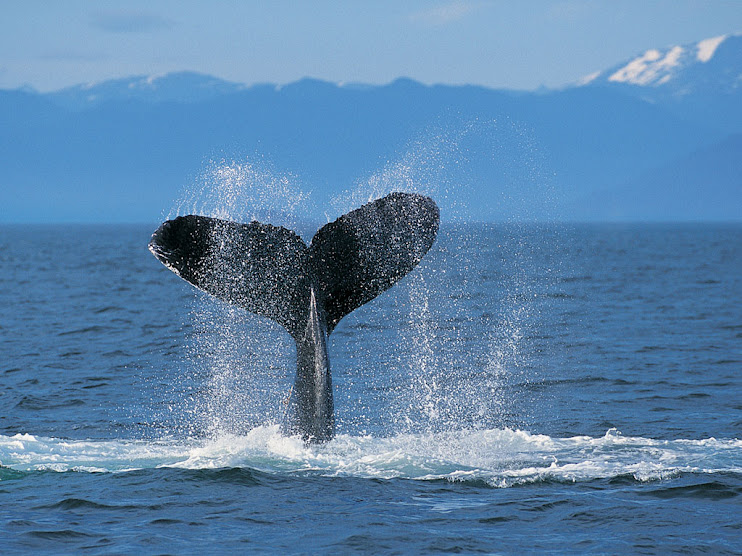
<point>185,86</point>
<point>713,64</point>
<point>699,82</point>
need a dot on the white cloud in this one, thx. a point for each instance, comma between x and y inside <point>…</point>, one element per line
<point>71,55</point>
<point>126,21</point>
<point>444,13</point>
<point>568,11</point>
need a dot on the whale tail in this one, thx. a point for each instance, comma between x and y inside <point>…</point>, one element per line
<point>270,271</point>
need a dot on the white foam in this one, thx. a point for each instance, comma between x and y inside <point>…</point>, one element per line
<point>500,457</point>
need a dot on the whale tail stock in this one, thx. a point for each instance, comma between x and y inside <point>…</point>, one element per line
<point>270,271</point>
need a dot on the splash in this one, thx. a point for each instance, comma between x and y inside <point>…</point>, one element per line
<point>426,168</point>
<point>476,169</point>
<point>250,362</point>
<point>242,364</point>
<point>398,361</point>
<point>498,457</point>
<point>465,331</point>
<point>454,304</point>
<point>244,191</point>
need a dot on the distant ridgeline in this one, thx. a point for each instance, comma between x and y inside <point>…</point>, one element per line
<point>655,138</point>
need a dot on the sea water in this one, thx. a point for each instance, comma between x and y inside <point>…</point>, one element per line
<point>550,388</point>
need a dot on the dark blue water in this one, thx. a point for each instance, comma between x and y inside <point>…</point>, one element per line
<point>527,388</point>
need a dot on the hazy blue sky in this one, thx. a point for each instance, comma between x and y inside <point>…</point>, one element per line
<point>518,44</point>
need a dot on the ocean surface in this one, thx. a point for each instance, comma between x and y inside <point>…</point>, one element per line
<point>573,389</point>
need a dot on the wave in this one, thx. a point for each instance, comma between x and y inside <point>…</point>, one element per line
<point>497,457</point>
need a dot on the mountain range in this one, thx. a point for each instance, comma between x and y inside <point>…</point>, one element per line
<point>658,137</point>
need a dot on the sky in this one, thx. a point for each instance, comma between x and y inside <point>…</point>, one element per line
<point>506,44</point>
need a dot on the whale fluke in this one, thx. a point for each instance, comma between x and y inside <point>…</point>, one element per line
<point>270,271</point>
<point>365,252</point>
<point>258,267</point>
